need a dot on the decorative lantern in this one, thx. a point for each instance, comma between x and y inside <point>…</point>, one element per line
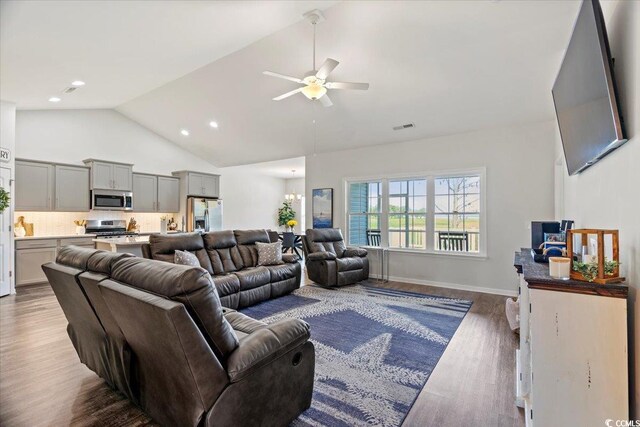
<point>593,264</point>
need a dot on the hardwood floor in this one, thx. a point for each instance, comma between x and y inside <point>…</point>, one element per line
<point>42,382</point>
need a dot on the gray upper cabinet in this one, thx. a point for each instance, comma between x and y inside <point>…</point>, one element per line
<point>122,177</point>
<point>110,176</point>
<point>145,192</point>
<point>168,194</point>
<point>34,186</point>
<point>203,185</point>
<point>72,188</point>
<point>101,175</point>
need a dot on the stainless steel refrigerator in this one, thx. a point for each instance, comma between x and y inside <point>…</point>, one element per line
<point>204,214</point>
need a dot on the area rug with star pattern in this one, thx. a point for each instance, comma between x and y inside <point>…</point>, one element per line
<point>375,348</point>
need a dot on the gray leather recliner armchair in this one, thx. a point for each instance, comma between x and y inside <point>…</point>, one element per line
<point>330,262</point>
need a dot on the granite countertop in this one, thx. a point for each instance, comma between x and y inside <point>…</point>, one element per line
<point>536,274</point>
<point>123,241</point>
<point>61,236</point>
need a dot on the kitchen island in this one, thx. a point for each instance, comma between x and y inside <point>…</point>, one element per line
<point>125,244</point>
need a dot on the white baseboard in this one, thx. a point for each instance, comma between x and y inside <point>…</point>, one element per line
<point>493,291</point>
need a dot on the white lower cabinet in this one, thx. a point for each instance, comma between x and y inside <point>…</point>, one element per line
<point>578,358</point>
<point>31,254</point>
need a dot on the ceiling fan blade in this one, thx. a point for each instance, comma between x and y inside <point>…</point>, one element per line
<point>325,101</point>
<point>288,94</point>
<point>344,85</point>
<point>282,76</point>
<point>326,68</point>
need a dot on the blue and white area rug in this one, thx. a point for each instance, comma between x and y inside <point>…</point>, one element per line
<point>375,348</point>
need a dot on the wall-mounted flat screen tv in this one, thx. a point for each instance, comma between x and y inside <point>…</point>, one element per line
<point>584,93</point>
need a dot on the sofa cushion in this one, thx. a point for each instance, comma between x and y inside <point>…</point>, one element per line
<point>326,240</point>
<point>253,277</point>
<point>226,284</point>
<point>243,323</point>
<point>163,247</point>
<point>269,253</point>
<point>354,251</point>
<point>221,247</point>
<point>283,272</point>
<point>186,258</point>
<point>74,256</point>
<point>102,261</point>
<point>192,286</point>
<point>349,264</point>
<point>247,244</point>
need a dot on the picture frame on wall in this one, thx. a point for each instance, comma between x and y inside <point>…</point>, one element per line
<point>322,207</point>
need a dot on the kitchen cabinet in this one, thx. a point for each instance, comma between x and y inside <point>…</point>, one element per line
<point>33,186</point>
<point>203,185</point>
<point>71,188</point>
<point>31,253</point>
<point>152,193</point>
<point>168,194</point>
<point>110,176</point>
<point>145,192</point>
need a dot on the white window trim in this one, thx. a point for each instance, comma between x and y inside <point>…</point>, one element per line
<point>430,177</point>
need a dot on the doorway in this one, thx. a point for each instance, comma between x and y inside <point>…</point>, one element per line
<point>6,219</point>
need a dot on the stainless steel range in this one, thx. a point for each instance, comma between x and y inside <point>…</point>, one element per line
<point>108,228</point>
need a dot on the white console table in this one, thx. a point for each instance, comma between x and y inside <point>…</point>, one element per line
<point>572,362</point>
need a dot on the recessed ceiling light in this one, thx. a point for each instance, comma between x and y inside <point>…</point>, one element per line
<point>184,132</point>
<point>213,125</point>
<point>54,99</point>
<point>77,83</point>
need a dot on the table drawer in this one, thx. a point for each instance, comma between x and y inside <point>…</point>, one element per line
<point>36,244</point>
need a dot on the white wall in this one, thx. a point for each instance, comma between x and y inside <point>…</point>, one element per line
<point>250,200</point>
<point>69,136</point>
<point>519,165</point>
<point>8,141</point>
<point>607,195</point>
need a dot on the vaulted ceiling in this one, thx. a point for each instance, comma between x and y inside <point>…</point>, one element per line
<point>448,67</point>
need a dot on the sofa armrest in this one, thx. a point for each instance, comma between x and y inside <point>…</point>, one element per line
<point>265,345</point>
<point>290,258</point>
<point>353,251</point>
<point>318,256</point>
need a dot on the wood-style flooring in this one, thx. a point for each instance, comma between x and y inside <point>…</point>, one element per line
<point>43,383</point>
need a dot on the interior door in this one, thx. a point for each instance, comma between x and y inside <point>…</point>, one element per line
<point>5,237</point>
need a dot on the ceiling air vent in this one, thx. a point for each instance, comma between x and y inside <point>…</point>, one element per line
<point>70,89</point>
<point>404,126</point>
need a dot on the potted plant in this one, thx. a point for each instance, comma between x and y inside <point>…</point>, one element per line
<point>286,214</point>
<point>4,199</point>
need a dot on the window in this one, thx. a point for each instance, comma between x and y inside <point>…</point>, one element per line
<point>364,213</point>
<point>408,214</point>
<point>457,214</point>
<point>435,213</point>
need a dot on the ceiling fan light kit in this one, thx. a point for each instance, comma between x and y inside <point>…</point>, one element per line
<point>315,81</point>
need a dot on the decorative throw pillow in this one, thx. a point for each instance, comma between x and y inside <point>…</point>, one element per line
<point>269,253</point>
<point>186,258</point>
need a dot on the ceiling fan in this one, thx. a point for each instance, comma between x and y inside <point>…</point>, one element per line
<point>315,81</point>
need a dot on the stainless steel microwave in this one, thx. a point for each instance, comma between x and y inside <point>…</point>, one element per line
<point>109,200</point>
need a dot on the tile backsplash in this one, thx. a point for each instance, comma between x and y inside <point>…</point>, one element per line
<point>61,223</point>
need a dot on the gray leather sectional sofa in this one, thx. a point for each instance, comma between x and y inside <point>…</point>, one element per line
<point>159,333</point>
<point>231,258</point>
